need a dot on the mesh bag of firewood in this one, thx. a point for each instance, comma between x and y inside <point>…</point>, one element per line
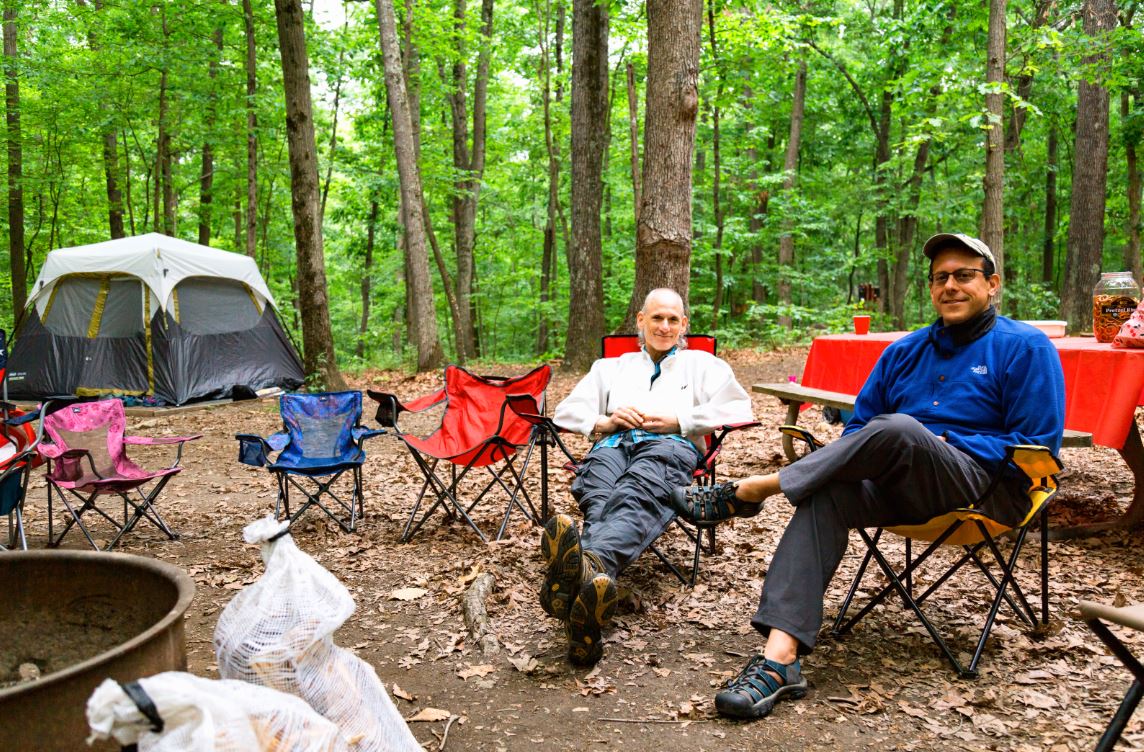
<point>179,712</point>
<point>278,633</point>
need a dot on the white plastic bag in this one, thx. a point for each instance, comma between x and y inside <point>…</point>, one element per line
<point>278,633</point>
<point>201,715</point>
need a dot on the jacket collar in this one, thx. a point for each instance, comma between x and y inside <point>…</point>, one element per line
<point>948,339</point>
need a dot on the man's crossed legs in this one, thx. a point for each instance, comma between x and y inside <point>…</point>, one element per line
<point>622,492</point>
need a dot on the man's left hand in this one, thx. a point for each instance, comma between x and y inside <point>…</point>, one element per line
<point>660,423</point>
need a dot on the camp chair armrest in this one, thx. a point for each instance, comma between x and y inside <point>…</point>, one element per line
<point>51,451</point>
<point>19,420</point>
<point>253,450</point>
<point>157,440</point>
<point>70,454</point>
<point>1036,461</point>
<point>361,434</point>
<point>389,406</point>
<point>721,432</point>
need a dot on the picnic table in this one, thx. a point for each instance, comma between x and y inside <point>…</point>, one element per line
<point>1103,387</point>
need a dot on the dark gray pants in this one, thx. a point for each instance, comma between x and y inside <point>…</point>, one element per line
<point>622,492</point>
<point>894,471</point>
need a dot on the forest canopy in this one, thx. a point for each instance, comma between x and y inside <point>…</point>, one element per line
<point>129,116</point>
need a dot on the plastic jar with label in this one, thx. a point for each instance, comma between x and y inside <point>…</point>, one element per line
<point>1114,299</point>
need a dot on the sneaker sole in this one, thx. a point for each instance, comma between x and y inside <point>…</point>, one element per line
<point>592,610</point>
<point>560,547</point>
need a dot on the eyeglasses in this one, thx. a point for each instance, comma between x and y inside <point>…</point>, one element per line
<point>963,276</point>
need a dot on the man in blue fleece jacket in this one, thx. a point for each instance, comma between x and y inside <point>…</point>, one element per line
<point>929,432</point>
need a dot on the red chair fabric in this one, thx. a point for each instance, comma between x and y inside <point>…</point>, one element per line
<point>477,430</point>
<point>85,445</point>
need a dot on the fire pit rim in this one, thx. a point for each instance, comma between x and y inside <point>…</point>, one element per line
<point>184,585</point>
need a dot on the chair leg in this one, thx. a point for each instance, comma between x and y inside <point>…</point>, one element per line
<point>1135,691</point>
<point>838,628</point>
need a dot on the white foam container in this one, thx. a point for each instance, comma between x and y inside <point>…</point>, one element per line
<point>1050,328</point>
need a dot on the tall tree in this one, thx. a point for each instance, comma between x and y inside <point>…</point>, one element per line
<point>15,163</point>
<point>585,255</point>
<point>554,210</point>
<point>1086,217</point>
<point>716,157</point>
<point>423,315</point>
<point>319,356</point>
<point>663,235</point>
<point>468,162</point>
<point>250,65</point>
<point>790,168</point>
<point>163,157</point>
<point>993,214</point>
<point>206,172</point>
<point>110,145</point>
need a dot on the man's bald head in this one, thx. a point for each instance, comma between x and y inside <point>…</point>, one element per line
<point>663,295</point>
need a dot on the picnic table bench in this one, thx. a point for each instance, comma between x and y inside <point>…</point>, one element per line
<point>795,395</point>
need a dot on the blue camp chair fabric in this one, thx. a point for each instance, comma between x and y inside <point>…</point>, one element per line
<point>322,439</point>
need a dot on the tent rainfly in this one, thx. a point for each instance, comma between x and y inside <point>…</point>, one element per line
<point>152,317</point>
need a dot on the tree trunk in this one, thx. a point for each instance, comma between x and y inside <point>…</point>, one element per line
<point>164,187</point>
<point>206,176</point>
<point>993,212</point>
<point>585,255</point>
<point>469,165</point>
<point>251,132</point>
<point>423,320</point>
<point>790,170</point>
<point>313,296</point>
<point>1086,213</point>
<point>549,253</point>
<point>15,166</point>
<point>663,235</point>
<point>1048,263</point>
<point>634,137</point>
<point>716,207</point>
<point>334,125</point>
<point>371,231</point>
<point>1132,261</point>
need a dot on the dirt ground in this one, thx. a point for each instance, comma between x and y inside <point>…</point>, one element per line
<point>884,686</point>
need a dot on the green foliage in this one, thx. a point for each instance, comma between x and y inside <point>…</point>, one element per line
<point>86,71</point>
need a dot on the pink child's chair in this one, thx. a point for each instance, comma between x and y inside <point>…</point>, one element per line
<point>85,447</point>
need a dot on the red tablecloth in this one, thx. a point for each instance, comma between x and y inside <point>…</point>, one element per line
<point>1103,384</point>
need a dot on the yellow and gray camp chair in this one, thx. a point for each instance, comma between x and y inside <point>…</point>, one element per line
<point>975,532</point>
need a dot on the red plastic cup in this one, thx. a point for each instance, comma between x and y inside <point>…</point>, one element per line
<point>861,324</point>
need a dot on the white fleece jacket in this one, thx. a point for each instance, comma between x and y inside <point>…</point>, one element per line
<point>697,387</point>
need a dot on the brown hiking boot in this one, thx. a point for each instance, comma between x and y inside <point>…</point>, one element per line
<point>560,547</point>
<point>591,612</point>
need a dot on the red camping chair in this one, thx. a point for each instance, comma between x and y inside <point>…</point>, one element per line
<point>476,431</point>
<point>613,346</point>
<point>86,448</point>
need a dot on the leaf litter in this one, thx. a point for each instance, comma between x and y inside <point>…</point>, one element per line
<point>884,686</point>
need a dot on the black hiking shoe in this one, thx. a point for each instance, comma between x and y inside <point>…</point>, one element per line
<point>560,547</point>
<point>711,503</point>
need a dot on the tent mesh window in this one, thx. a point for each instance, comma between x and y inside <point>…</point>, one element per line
<point>214,306</point>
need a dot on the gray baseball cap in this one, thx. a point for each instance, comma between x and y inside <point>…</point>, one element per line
<point>956,240</point>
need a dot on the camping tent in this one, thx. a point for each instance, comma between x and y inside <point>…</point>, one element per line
<point>152,317</point>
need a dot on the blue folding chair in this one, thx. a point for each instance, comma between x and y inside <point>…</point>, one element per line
<point>323,439</point>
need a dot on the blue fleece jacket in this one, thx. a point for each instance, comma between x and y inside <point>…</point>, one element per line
<point>1003,388</point>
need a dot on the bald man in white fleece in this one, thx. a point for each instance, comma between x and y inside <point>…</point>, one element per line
<point>649,412</point>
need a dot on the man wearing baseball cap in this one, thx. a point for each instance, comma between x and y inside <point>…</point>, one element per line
<point>930,429</point>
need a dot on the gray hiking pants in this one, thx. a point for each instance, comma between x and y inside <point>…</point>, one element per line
<point>894,471</point>
<point>622,492</point>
